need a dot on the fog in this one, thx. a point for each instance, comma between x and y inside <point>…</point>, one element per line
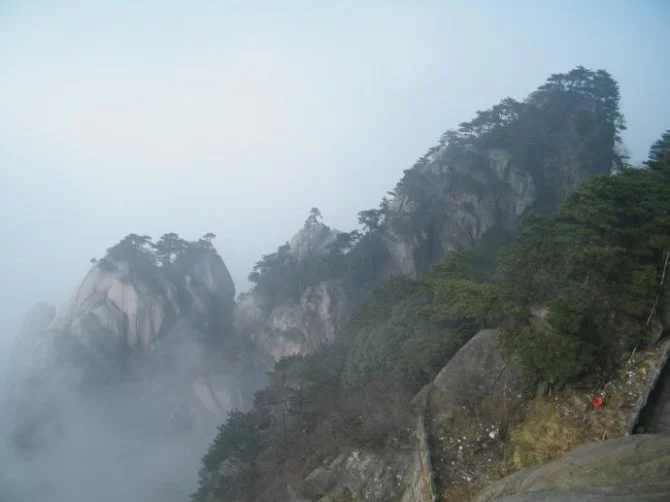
<point>237,117</point>
<point>119,443</point>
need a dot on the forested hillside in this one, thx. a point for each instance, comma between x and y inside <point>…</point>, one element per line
<point>591,261</point>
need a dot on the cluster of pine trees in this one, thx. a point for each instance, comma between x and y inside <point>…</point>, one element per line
<point>351,258</point>
<point>143,255</point>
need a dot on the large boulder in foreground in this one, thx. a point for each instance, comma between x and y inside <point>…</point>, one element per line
<point>630,468</point>
<point>477,374</point>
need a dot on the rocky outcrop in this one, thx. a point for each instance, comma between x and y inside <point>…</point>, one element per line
<point>312,240</point>
<point>419,482</point>
<point>162,337</point>
<point>298,327</point>
<point>136,309</point>
<point>471,191</point>
<point>478,181</point>
<point>475,375</point>
<point>400,472</point>
<point>631,468</point>
<point>361,475</point>
<point>141,363</point>
<point>467,197</point>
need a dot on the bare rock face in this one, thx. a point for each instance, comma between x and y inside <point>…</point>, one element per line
<point>361,475</point>
<point>297,327</point>
<point>321,310</point>
<point>137,309</point>
<point>475,374</point>
<point>630,468</point>
<point>248,313</point>
<point>163,339</point>
<point>470,196</point>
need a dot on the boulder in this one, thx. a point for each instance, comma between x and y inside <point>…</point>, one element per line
<point>630,468</point>
<point>476,374</point>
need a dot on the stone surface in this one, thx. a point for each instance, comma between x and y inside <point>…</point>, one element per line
<point>298,327</point>
<point>475,374</point>
<point>136,309</point>
<point>471,196</point>
<point>631,468</point>
<point>655,417</point>
<point>362,475</point>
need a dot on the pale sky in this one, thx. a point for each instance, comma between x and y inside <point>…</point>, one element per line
<point>236,117</point>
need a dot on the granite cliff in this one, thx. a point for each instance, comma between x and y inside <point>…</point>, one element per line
<point>144,348</point>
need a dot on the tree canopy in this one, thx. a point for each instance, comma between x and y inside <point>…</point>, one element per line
<point>142,255</point>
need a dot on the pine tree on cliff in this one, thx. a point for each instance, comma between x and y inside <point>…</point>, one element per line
<point>206,240</point>
<point>132,248</point>
<point>313,218</point>
<point>168,248</point>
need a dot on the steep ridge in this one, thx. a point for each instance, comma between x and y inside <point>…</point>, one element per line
<point>474,187</point>
<point>336,424</point>
<point>285,314</point>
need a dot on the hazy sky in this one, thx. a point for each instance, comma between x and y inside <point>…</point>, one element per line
<point>237,117</point>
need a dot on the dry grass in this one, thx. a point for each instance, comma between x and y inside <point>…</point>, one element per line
<point>555,424</point>
<point>544,435</point>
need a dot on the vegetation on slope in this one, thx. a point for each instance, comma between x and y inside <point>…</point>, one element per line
<point>144,257</point>
<point>580,290</point>
<point>595,267</point>
<point>578,109</point>
<point>280,277</point>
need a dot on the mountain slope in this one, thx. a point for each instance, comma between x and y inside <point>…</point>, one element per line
<point>339,414</point>
<point>474,187</point>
